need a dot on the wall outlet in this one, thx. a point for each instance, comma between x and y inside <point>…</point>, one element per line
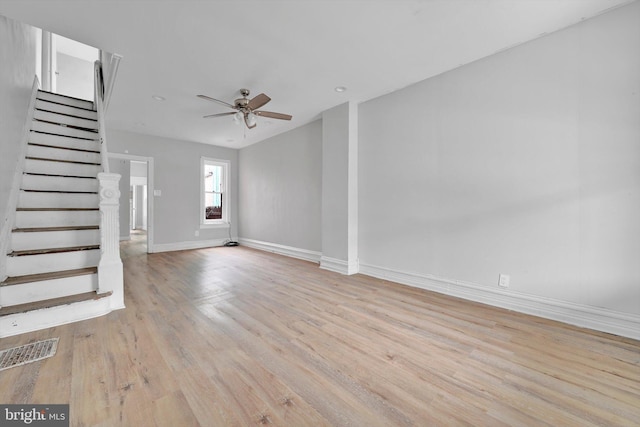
<point>196,233</point>
<point>504,281</point>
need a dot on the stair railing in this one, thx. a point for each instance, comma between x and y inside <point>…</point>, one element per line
<point>110,276</point>
<point>110,64</point>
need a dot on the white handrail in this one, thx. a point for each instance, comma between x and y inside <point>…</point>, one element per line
<point>98,105</point>
<point>110,72</point>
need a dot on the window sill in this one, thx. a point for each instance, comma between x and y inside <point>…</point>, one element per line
<point>215,225</point>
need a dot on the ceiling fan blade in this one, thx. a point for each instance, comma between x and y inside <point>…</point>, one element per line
<point>208,98</point>
<point>258,101</point>
<point>231,113</point>
<point>273,115</point>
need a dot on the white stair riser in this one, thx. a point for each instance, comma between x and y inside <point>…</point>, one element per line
<point>62,130</point>
<point>62,154</point>
<point>46,167</point>
<point>59,183</point>
<point>32,240</point>
<point>47,289</point>
<point>52,97</point>
<point>64,119</point>
<point>28,199</point>
<point>64,141</point>
<point>65,109</point>
<point>47,263</point>
<point>39,219</point>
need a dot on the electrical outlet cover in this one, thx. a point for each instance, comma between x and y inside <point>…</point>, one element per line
<point>503,281</point>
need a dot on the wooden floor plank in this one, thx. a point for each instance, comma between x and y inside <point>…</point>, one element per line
<point>237,337</point>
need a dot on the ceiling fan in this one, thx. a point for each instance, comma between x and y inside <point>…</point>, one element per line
<point>247,109</point>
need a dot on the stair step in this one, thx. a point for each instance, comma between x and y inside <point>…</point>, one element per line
<point>57,285</point>
<point>61,228</point>
<point>10,281</point>
<point>66,109</point>
<point>62,154</point>
<point>22,264</point>
<point>64,142</point>
<point>59,183</point>
<point>52,167</point>
<point>57,118</point>
<point>29,252</point>
<point>53,238</point>
<point>65,100</point>
<point>37,199</point>
<point>57,218</point>
<point>54,129</point>
<point>40,305</point>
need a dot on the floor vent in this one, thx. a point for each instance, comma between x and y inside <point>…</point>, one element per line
<point>24,354</point>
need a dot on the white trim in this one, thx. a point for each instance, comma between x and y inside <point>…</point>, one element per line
<point>289,251</point>
<point>599,319</point>
<point>215,225</point>
<point>182,246</point>
<point>150,188</point>
<point>339,266</point>
<point>12,202</point>
<point>35,320</point>
<point>226,173</point>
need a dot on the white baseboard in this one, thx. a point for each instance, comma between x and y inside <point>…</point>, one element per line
<point>182,246</point>
<point>339,266</point>
<point>289,251</point>
<point>599,319</point>
<point>36,320</point>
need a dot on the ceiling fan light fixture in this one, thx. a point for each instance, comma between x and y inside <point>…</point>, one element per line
<point>237,117</point>
<point>251,119</point>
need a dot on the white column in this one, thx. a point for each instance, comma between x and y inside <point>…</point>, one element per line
<point>340,189</point>
<point>110,276</point>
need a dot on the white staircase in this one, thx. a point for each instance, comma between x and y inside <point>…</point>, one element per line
<point>55,241</point>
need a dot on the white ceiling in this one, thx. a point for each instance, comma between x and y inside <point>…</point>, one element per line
<point>295,51</point>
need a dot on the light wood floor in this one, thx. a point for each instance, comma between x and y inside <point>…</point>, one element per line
<point>238,337</point>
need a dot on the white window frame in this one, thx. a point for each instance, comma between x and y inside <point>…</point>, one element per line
<point>224,221</point>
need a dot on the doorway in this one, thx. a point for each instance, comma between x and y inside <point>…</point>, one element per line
<point>67,66</point>
<point>136,207</point>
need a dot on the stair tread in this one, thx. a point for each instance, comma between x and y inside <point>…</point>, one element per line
<point>53,250</point>
<point>17,280</point>
<point>22,308</point>
<point>67,136</point>
<point>55,209</point>
<point>44,110</point>
<point>61,161</point>
<point>68,125</point>
<point>63,148</point>
<point>65,228</point>
<point>63,96</point>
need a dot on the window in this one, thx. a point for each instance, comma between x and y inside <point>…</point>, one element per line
<point>214,205</point>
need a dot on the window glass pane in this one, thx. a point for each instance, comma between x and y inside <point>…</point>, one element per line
<point>214,187</point>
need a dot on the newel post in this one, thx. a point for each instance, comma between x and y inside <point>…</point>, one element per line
<point>110,276</point>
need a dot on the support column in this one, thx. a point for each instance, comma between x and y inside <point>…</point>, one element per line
<point>110,275</point>
<point>340,189</point>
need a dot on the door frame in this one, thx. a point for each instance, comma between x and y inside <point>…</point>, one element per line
<point>150,186</point>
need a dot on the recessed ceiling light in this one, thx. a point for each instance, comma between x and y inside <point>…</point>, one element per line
<point>340,89</point>
<point>158,97</point>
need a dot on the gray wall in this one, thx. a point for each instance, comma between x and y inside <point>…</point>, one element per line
<point>177,175</point>
<point>281,187</point>
<point>525,163</point>
<point>17,71</point>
